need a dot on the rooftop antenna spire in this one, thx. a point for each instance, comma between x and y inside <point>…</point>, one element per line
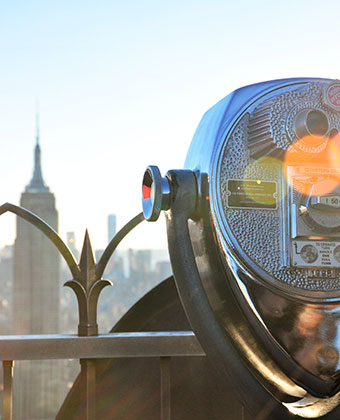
<point>37,127</point>
<point>37,183</point>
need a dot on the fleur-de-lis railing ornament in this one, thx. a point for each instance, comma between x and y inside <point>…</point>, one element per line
<point>87,287</point>
<point>87,281</point>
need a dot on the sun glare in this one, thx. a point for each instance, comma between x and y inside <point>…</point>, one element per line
<point>312,165</point>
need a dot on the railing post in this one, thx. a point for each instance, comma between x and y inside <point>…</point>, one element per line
<point>87,287</point>
<point>165,388</point>
<point>7,402</point>
<point>88,381</point>
<point>87,284</point>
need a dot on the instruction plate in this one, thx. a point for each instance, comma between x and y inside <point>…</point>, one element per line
<point>252,194</point>
<point>316,253</point>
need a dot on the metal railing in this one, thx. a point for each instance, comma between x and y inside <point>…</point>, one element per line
<point>163,345</point>
<point>87,283</point>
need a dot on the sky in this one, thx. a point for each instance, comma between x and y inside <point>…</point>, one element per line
<point>123,84</point>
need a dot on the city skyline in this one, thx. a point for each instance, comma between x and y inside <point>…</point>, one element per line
<point>111,219</point>
<point>124,85</point>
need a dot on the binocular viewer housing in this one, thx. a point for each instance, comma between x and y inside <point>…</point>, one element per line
<point>253,225</point>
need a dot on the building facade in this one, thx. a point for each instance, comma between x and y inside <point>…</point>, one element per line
<point>111,226</point>
<point>35,299</point>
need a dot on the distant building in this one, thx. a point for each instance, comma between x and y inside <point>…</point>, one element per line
<point>36,262</point>
<point>35,302</point>
<point>133,272</point>
<point>163,270</point>
<point>111,226</point>
<point>141,278</point>
<point>140,264</point>
<point>71,243</point>
<point>97,254</point>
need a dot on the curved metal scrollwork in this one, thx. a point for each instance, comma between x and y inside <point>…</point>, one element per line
<point>87,282</point>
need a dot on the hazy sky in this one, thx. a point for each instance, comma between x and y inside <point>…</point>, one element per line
<point>123,84</point>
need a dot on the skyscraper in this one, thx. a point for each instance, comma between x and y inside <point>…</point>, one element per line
<point>36,261</point>
<point>36,289</point>
<point>71,243</point>
<point>111,226</point>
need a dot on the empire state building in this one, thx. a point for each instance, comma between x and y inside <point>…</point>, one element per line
<point>36,261</point>
<point>36,289</point>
